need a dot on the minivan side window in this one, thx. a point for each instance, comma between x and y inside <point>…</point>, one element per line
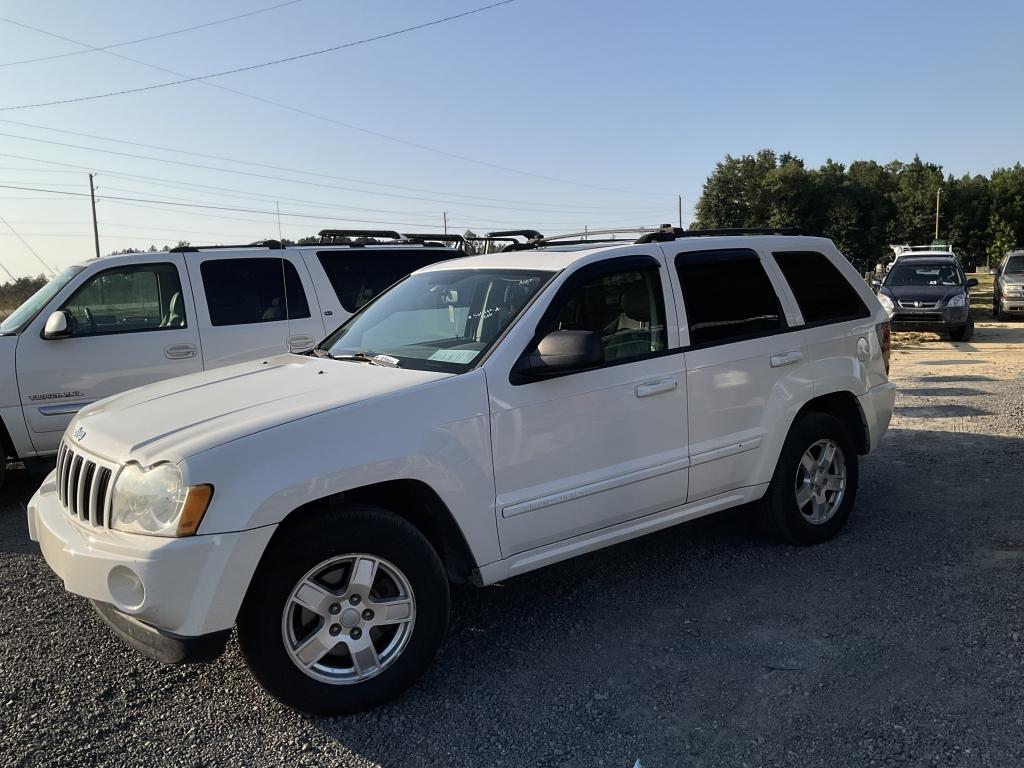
<point>139,297</point>
<point>728,296</point>
<point>243,291</point>
<point>821,291</point>
<point>626,309</point>
<point>358,275</point>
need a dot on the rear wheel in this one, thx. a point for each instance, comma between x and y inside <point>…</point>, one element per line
<point>815,481</point>
<point>345,613</point>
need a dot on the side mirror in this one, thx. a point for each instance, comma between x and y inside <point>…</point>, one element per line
<point>561,352</point>
<point>57,326</point>
<point>972,282</point>
<point>993,271</point>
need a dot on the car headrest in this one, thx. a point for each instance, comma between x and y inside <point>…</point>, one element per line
<point>635,303</point>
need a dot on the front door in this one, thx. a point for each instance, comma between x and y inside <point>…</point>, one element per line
<point>130,325</point>
<point>598,447</point>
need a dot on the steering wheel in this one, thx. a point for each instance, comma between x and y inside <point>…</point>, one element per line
<point>89,319</point>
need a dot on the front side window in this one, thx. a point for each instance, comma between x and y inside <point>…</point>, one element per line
<point>32,306</point>
<point>821,291</point>
<point>141,297</point>
<point>243,291</point>
<point>444,320</point>
<point>358,275</point>
<point>728,296</point>
<point>946,275</point>
<point>626,309</point>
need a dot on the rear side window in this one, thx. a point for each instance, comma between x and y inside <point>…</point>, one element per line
<point>821,291</point>
<point>728,296</point>
<point>243,291</point>
<point>358,275</point>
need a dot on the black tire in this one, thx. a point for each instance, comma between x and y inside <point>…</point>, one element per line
<point>964,332</point>
<point>358,529</point>
<point>784,516</point>
<point>3,466</point>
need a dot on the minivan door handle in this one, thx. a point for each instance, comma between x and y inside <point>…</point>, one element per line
<point>786,358</point>
<point>179,351</point>
<point>655,387</point>
<point>300,343</point>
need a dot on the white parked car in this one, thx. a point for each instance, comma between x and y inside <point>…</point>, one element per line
<point>107,325</point>
<point>482,418</point>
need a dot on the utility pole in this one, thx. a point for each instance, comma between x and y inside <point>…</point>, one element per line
<point>95,226</point>
<point>938,196</point>
<point>445,214</point>
<point>680,211</point>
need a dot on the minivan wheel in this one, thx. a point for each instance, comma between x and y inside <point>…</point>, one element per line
<point>815,481</point>
<point>345,612</point>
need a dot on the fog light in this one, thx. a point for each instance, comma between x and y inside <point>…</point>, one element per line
<point>126,587</point>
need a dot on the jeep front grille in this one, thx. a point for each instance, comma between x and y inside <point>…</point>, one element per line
<point>83,486</point>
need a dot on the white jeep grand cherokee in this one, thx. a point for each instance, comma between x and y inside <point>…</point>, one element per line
<point>482,418</point>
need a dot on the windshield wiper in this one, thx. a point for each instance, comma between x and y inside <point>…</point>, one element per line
<point>321,352</point>
<point>361,357</point>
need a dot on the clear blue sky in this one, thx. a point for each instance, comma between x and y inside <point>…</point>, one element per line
<point>642,97</point>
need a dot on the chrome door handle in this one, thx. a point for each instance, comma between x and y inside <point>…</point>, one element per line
<point>300,342</point>
<point>786,358</point>
<point>179,351</point>
<point>656,387</point>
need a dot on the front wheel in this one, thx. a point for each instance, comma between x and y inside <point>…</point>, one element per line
<point>345,613</point>
<point>815,481</point>
<point>964,333</point>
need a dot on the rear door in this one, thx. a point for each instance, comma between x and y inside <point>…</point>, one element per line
<point>742,364</point>
<point>244,309</point>
<point>131,324</point>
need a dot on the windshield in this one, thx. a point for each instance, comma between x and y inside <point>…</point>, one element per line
<point>1014,265</point>
<point>24,314</point>
<point>923,275</point>
<point>444,320</point>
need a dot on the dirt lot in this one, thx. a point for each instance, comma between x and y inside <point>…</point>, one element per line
<point>899,643</point>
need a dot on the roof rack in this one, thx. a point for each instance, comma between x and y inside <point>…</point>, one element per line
<point>274,245</point>
<point>666,233</point>
<point>528,234</point>
<point>335,234</point>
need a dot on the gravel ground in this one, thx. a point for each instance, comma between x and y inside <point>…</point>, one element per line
<point>899,643</point>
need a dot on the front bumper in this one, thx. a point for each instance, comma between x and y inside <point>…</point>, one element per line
<point>188,587</point>
<point>1012,304</point>
<point>928,319</point>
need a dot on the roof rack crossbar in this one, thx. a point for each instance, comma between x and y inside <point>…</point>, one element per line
<point>529,234</point>
<point>331,234</point>
<point>420,237</point>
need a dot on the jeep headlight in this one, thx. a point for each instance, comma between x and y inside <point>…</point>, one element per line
<point>154,501</point>
<point>886,303</point>
<point>957,301</point>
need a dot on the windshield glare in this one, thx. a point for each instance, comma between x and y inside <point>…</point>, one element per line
<point>443,320</point>
<point>23,315</point>
<point>1014,266</point>
<point>924,275</point>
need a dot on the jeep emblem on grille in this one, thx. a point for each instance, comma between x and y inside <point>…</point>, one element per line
<point>79,433</point>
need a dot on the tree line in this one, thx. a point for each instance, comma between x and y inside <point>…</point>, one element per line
<point>865,207</point>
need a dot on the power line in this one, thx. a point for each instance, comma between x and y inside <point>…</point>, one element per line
<point>324,118</point>
<point>267,166</point>
<point>262,175</point>
<point>23,242</point>
<point>141,39</point>
<point>264,64</point>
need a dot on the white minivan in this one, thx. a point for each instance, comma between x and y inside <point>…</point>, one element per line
<point>107,325</point>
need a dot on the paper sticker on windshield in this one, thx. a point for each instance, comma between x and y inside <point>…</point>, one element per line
<point>388,360</point>
<point>454,355</point>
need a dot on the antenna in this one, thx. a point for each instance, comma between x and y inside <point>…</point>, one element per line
<point>284,283</point>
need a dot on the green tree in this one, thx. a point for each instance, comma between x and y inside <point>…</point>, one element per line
<point>1002,239</point>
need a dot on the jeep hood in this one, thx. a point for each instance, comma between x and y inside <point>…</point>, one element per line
<point>174,419</point>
